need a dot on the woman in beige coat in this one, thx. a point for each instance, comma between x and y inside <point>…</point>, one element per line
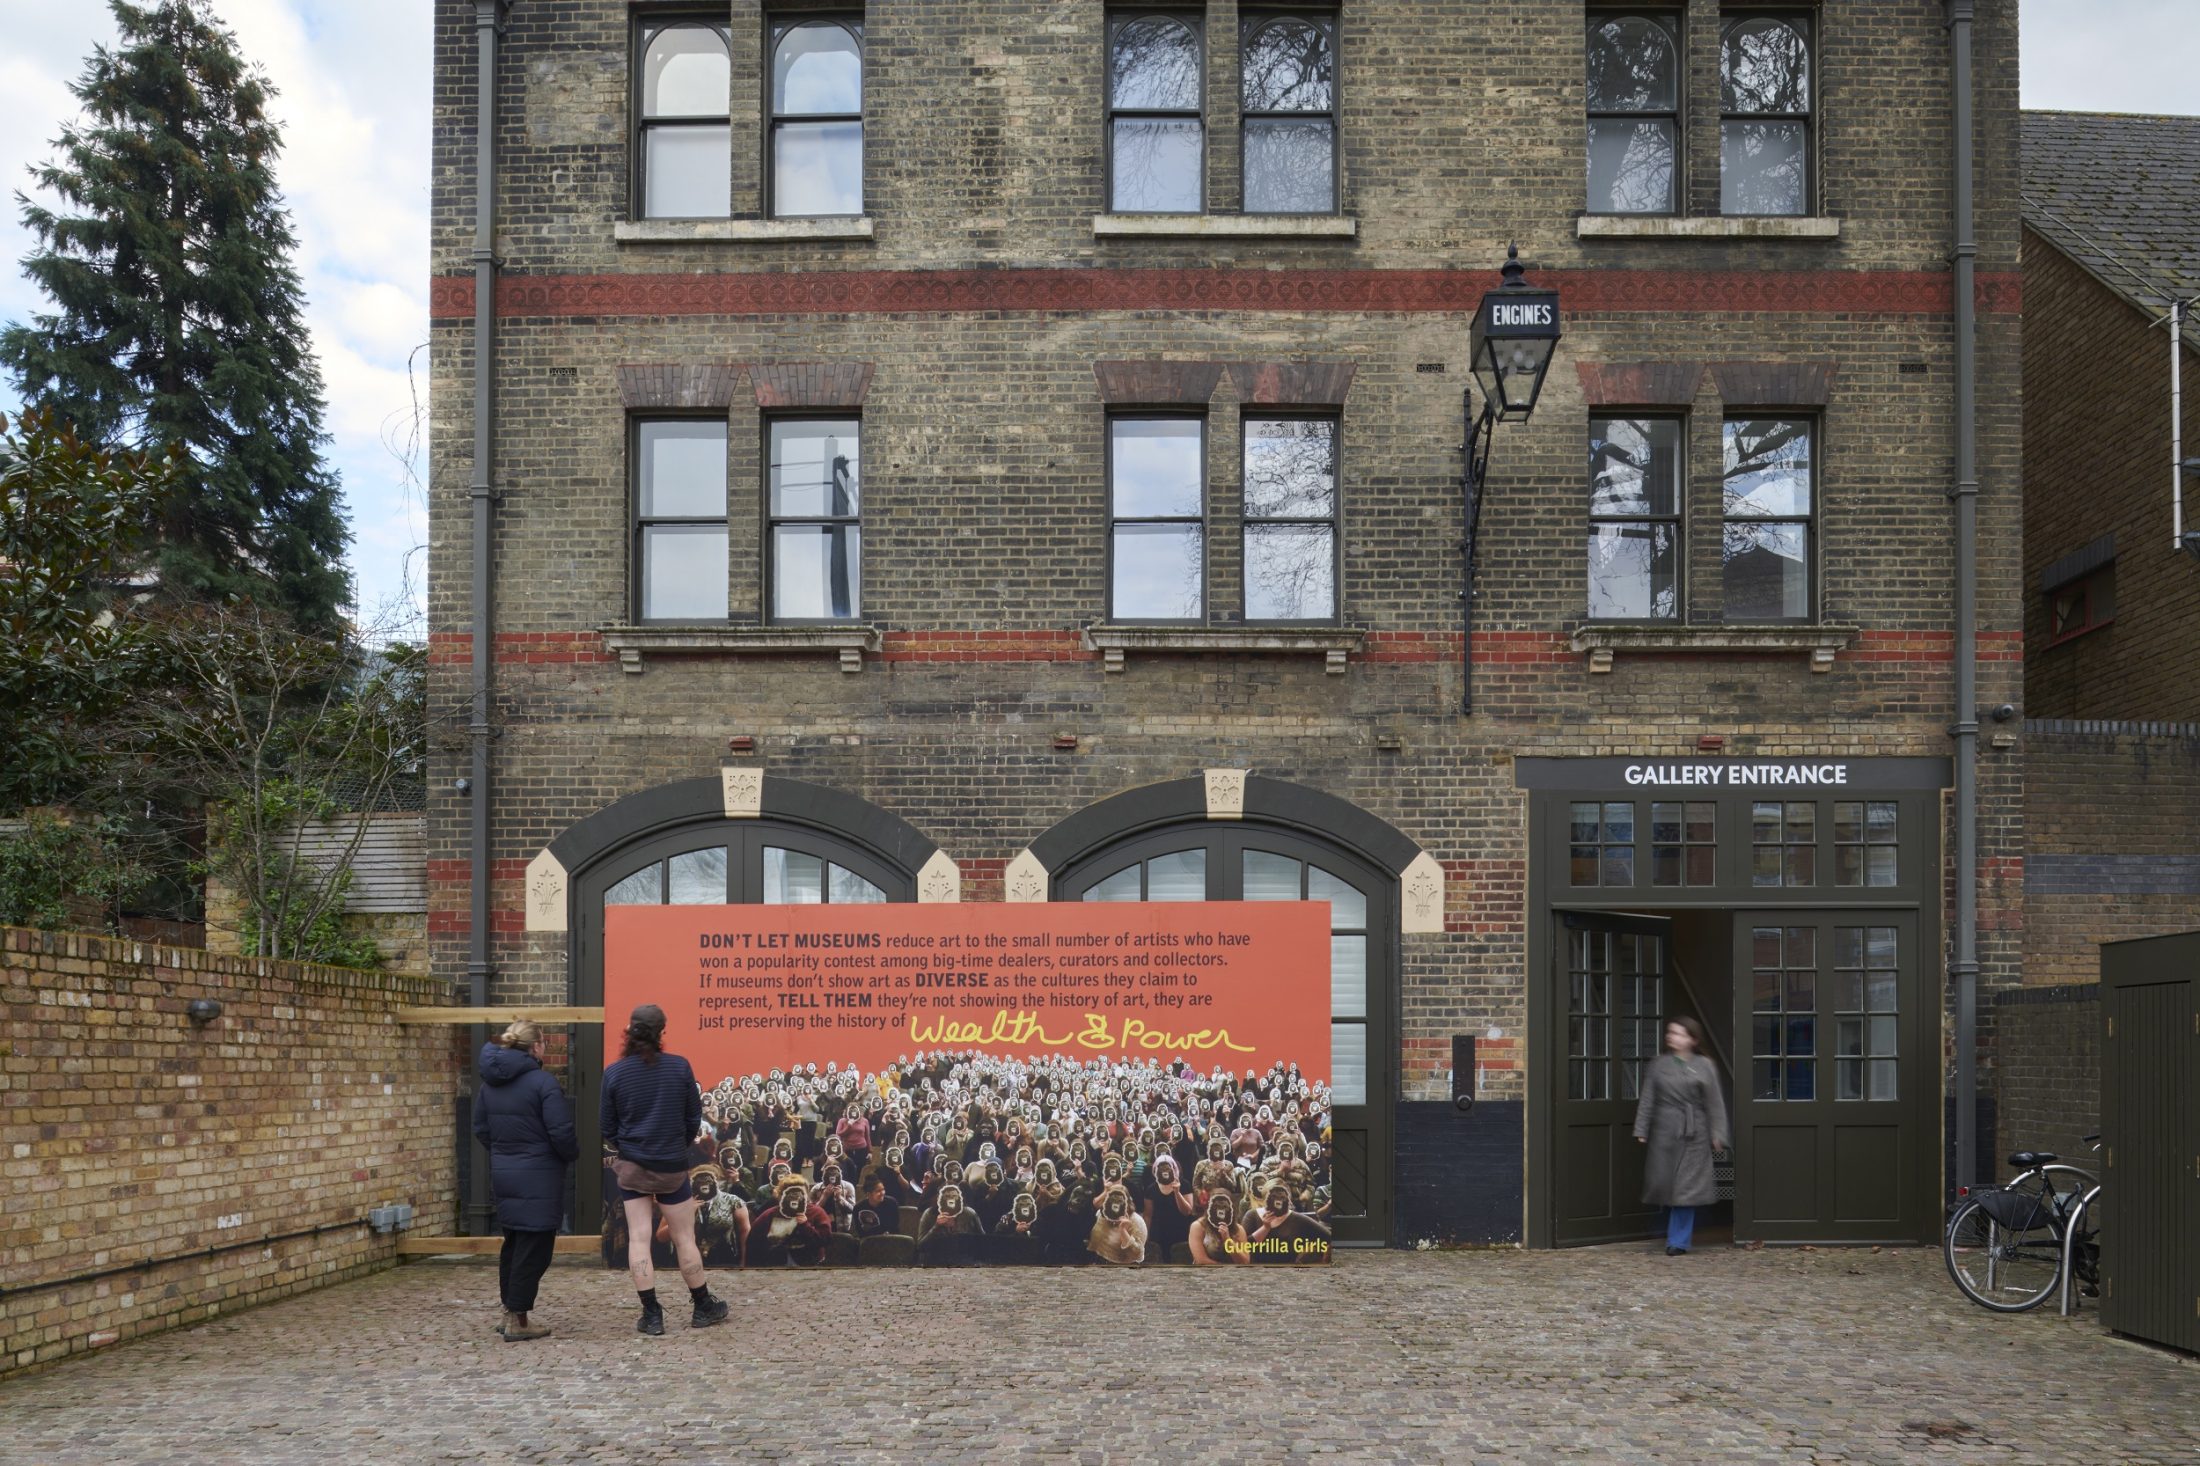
<point>1682,1118</point>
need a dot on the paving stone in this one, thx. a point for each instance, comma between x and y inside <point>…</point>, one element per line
<point>1605,1354</point>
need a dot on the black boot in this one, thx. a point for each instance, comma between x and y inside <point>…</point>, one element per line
<point>708,1310</point>
<point>652,1321</point>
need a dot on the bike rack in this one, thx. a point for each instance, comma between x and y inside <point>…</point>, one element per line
<point>2071,1230</point>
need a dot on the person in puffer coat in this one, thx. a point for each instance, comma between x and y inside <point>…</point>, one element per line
<point>524,1119</point>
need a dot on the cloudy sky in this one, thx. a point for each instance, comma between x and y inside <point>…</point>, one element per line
<point>354,88</point>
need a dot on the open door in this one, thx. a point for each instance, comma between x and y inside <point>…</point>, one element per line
<point>1611,979</point>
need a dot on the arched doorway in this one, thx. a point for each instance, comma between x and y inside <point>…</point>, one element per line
<point>1282,849</point>
<point>676,845</point>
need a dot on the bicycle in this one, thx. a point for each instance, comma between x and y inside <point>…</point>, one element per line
<point>2010,1247</point>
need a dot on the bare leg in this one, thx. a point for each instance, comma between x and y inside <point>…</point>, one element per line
<point>641,1226</point>
<point>690,1256</point>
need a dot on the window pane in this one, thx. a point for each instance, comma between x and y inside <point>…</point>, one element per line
<point>815,469</point>
<point>646,887</point>
<point>1849,1080</point>
<point>817,68</point>
<point>1159,573</point>
<point>1764,1077</point>
<point>792,878</point>
<point>849,889</point>
<point>1156,65</point>
<point>1882,1079</point>
<point>1880,866</point>
<point>1290,468</point>
<point>687,173</point>
<point>1630,166</point>
<point>1702,865</point>
<point>1180,875</point>
<point>1586,821</point>
<point>1290,166</point>
<point>1766,571</point>
<point>1582,870</point>
<point>1157,466</point>
<point>1290,572</point>
<point>1348,977</point>
<point>1618,867</point>
<point>684,572</point>
<point>699,877</point>
<point>1802,1080</point>
<point>682,469</point>
<point>1634,572</point>
<point>1158,163</point>
<point>1633,66</point>
<point>686,73</point>
<point>1619,820</point>
<point>1849,1038</point>
<point>1764,66</point>
<point>1347,907</point>
<point>1270,877</point>
<point>817,168</point>
<point>1288,68</point>
<point>1702,822</point>
<point>1768,468</point>
<point>817,572</point>
<point>1665,865</point>
<point>1761,168</point>
<point>1883,1036</point>
<point>1634,466</point>
<point>1122,886</point>
<point>1348,1063</point>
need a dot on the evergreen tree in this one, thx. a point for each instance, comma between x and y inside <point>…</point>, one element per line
<point>178,323</point>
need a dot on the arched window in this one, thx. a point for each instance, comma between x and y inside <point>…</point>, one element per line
<point>1765,106</point>
<point>1207,862</point>
<point>1157,134</point>
<point>707,862</point>
<point>817,119</point>
<point>1289,95</point>
<point>1634,113</point>
<point>683,131</point>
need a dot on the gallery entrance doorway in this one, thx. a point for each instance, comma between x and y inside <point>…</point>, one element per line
<point>1791,907</point>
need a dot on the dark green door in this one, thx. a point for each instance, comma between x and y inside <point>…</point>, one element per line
<point>1834,1068</point>
<point>2152,1180</point>
<point>1611,982</point>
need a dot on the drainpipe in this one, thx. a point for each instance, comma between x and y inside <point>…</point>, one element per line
<point>2177,465</point>
<point>488,26</point>
<point>1963,962</point>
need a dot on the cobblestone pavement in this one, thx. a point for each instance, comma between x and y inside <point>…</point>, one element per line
<point>1612,1354</point>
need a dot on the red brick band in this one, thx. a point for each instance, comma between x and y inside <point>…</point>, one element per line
<point>1491,648</point>
<point>921,292</point>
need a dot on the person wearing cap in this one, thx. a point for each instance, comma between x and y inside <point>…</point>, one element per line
<point>651,1113</point>
<point>524,1120</point>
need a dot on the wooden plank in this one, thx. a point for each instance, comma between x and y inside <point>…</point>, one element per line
<point>499,1016</point>
<point>410,1246</point>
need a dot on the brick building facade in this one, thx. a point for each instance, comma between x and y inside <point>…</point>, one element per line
<point>986,322</point>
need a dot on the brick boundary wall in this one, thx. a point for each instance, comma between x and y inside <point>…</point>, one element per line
<point>2111,811</point>
<point>138,1145</point>
<point>2049,1075</point>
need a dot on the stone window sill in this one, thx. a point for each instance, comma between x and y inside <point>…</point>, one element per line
<point>1332,644</point>
<point>1741,226</point>
<point>1226,226</point>
<point>737,231</point>
<point>633,643</point>
<point>1819,643</point>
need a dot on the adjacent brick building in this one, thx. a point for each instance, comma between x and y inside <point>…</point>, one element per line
<point>2111,599</point>
<point>936,640</point>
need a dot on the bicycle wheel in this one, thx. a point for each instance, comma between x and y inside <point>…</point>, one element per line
<point>1997,1268</point>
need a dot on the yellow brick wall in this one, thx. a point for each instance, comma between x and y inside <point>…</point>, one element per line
<point>132,1141</point>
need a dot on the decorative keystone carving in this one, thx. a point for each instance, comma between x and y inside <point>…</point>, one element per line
<point>940,882</point>
<point>1025,880</point>
<point>744,789</point>
<point>1226,794</point>
<point>545,894</point>
<point>1421,895</point>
